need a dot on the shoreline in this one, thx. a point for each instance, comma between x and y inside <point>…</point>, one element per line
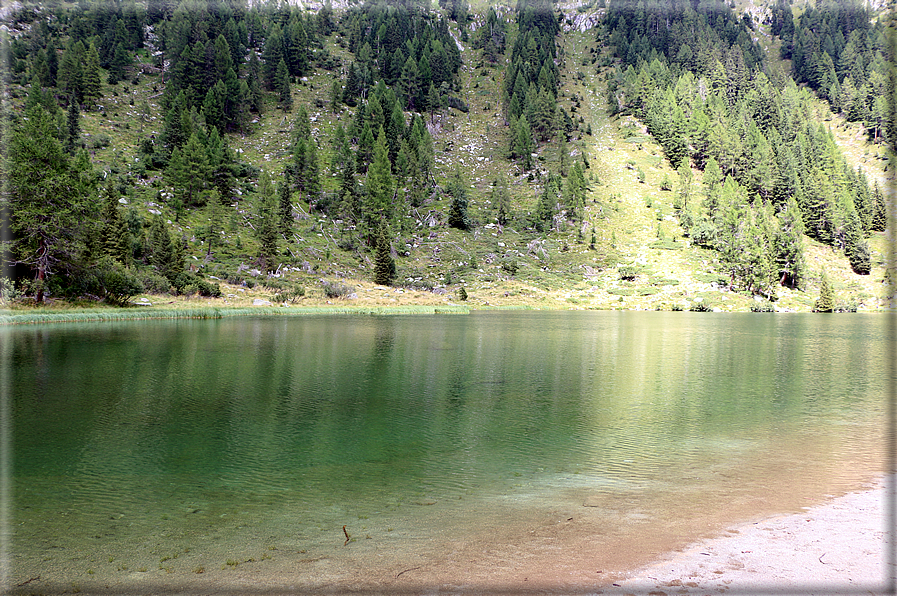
<point>837,547</point>
<point>843,546</point>
<point>12,318</point>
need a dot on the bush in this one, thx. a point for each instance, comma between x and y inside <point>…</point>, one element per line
<point>100,141</point>
<point>627,272</point>
<point>8,291</point>
<point>700,307</point>
<point>116,283</point>
<point>510,266</point>
<point>334,289</point>
<point>290,295</point>
<point>154,283</point>
<point>762,307</point>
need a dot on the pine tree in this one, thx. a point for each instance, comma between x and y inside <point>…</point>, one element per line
<point>282,86</point>
<point>826,300</point>
<point>215,215</point>
<point>92,82</point>
<point>380,188</point>
<point>48,204</point>
<point>266,228</point>
<point>73,127</point>
<point>384,264</point>
<point>457,215</point>
<point>285,208</point>
<point>115,237</point>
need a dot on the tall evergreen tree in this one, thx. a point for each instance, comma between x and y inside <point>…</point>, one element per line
<point>826,300</point>
<point>49,206</point>
<point>384,264</point>
<point>380,188</point>
<point>267,223</point>
<point>282,86</point>
<point>457,215</point>
<point>115,236</point>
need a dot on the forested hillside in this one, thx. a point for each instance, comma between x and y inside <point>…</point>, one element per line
<point>219,149</point>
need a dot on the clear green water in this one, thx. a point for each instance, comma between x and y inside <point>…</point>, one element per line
<point>145,452</point>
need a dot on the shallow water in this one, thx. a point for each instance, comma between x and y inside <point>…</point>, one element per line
<point>179,455</point>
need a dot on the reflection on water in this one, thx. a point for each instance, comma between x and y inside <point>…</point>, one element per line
<point>161,448</point>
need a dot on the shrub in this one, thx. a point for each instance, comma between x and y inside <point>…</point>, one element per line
<point>100,141</point>
<point>627,272</point>
<point>700,307</point>
<point>762,307</point>
<point>154,283</point>
<point>333,289</point>
<point>116,283</point>
<point>510,266</point>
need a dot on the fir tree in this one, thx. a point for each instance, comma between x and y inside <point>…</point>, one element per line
<point>73,127</point>
<point>115,237</point>
<point>282,86</point>
<point>215,215</point>
<point>266,228</point>
<point>457,215</point>
<point>384,264</point>
<point>380,187</point>
<point>826,300</point>
<point>285,208</point>
<point>48,202</point>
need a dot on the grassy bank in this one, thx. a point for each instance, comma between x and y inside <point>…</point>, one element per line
<point>43,316</point>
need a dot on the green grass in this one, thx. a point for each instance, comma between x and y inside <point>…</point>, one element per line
<point>108,315</point>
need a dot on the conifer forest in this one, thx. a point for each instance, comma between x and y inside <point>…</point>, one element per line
<point>656,154</point>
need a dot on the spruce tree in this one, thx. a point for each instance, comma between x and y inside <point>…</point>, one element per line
<point>48,201</point>
<point>161,253</point>
<point>380,188</point>
<point>826,300</point>
<point>788,245</point>
<point>92,82</point>
<point>285,208</point>
<point>502,199</point>
<point>73,127</point>
<point>282,86</point>
<point>115,237</point>
<point>266,227</point>
<point>457,215</point>
<point>215,215</point>
<point>384,264</point>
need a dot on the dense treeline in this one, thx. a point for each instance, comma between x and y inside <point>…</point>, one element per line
<point>840,51</point>
<point>406,48</point>
<point>531,81</point>
<point>750,136</point>
<point>689,70</point>
<point>218,60</point>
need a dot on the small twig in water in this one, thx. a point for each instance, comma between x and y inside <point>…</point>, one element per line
<point>406,571</point>
<point>28,581</point>
<point>347,536</point>
<point>820,558</point>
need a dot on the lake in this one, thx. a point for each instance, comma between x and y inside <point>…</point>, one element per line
<point>392,453</point>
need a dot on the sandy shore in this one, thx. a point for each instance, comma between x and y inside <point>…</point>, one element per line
<point>841,547</point>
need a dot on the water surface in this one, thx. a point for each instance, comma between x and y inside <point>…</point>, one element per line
<point>456,450</point>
